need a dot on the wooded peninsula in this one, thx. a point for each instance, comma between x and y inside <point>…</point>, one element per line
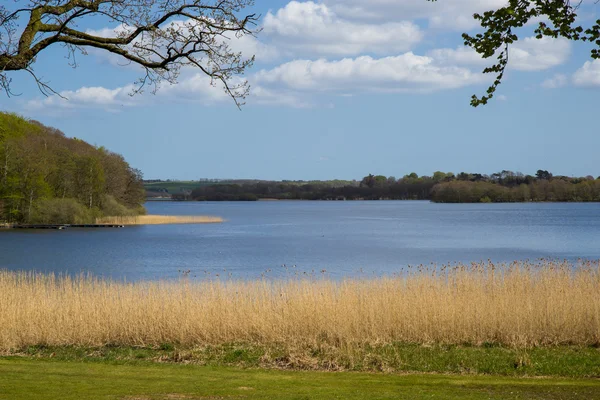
<point>441,187</point>
<point>47,178</point>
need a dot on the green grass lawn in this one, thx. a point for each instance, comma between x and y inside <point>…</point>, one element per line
<point>560,361</point>
<point>29,378</point>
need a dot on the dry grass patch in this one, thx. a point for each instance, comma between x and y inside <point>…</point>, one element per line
<point>518,304</point>
<point>159,220</point>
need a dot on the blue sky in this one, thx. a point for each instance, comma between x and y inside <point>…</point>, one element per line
<point>340,91</point>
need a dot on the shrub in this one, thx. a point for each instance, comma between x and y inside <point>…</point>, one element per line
<point>111,207</point>
<point>62,211</point>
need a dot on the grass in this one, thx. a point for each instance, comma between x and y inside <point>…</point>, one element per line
<point>516,305</point>
<point>159,220</point>
<point>563,361</point>
<point>42,379</point>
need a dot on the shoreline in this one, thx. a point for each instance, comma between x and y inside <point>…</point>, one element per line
<point>121,222</point>
<point>369,200</point>
<point>161,220</point>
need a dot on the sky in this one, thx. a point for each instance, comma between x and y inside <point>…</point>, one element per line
<point>339,89</point>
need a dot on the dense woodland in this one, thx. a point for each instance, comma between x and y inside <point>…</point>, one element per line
<point>505,186</point>
<point>46,177</point>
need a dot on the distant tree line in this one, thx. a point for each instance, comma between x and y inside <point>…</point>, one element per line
<point>46,177</point>
<point>507,186</point>
<point>443,187</point>
<point>370,188</point>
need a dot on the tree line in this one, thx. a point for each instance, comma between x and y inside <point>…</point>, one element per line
<point>442,187</point>
<point>46,177</point>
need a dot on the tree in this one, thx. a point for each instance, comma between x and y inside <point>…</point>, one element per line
<point>439,176</point>
<point>558,18</point>
<point>543,175</point>
<point>161,36</point>
<point>41,168</point>
<point>368,181</point>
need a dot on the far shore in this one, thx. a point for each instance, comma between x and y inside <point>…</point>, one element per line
<point>131,220</point>
<point>161,220</point>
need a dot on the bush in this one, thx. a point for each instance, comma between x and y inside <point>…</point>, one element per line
<point>110,207</point>
<point>62,211</point>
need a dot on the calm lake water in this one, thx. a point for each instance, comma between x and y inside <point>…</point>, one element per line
<point>344,238</point>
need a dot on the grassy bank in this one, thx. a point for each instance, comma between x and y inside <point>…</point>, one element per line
<point>159,220</point>
<point>35,379</point>
<point>518,305</point>
<point>561,361</point>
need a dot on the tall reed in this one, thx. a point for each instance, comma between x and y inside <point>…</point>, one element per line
<point>517,304</point>
<point>159,220</point>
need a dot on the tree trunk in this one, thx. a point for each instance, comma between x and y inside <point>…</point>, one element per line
<point>91,185</point>
<point>30,204</point>
<point>6,155</point>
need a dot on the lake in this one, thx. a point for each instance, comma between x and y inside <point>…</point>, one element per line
<point>346,239</point>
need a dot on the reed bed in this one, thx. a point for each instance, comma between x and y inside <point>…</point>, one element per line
<point>519,304</point>
<point>159,220</point>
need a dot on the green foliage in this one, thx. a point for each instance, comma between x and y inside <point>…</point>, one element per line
<point>39,164</point>
<point>556,19</point>
<point>62,211</point>
<point>539,190</point>
<point>110,206</point>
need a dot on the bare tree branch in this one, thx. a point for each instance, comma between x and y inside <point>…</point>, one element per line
<point>161,36</point>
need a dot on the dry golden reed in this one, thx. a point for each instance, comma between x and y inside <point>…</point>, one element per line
<point>159,220</point>
<point>518,304</point>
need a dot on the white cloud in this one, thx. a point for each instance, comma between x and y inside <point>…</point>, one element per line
<point>501,97</point>
<point>407,72</point>
<point>588,75</point>
<point>557,81</point>
<point>193,87</point>
<point>461,55</point>
<point>87,97</point>
<point>250,46</point>
<point>292,84</point>
<point>119,30</point>
<point>311,28</point>
<point>528,54</point>
<point>531,54</point>
<point>446,14</point>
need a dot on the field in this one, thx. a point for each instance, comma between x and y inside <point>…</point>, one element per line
<point>40,379</point>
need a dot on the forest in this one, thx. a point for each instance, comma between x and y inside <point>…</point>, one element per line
<point>47,178</point>
<point>441,187</point>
